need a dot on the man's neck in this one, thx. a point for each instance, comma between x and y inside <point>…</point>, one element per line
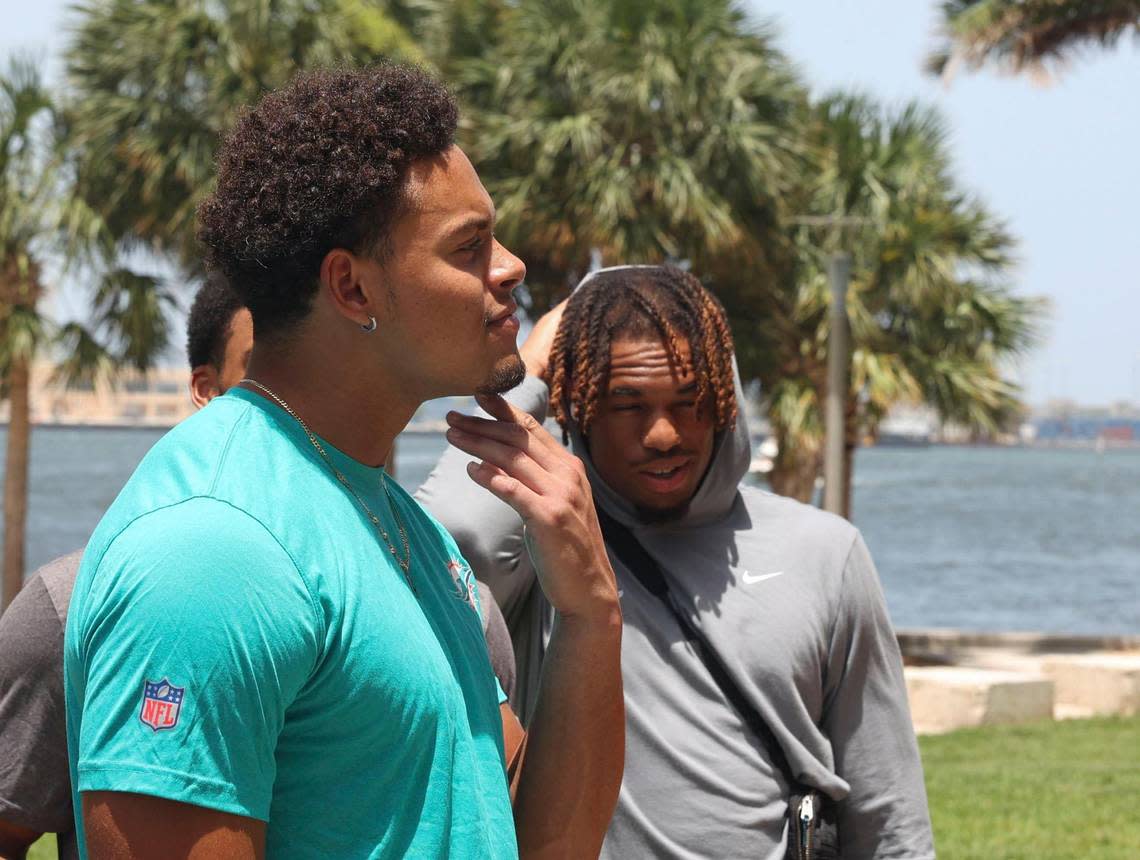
<point>359,413</point>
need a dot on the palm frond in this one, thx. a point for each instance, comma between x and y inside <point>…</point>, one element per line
<point>23,331</point>
<point>155,84</point>
<point>645,131</point>
<point>930,315</point>
<point>85,360</point>
<point>1028,35</point>
<point>134,310</point>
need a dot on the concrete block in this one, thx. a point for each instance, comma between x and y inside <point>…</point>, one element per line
<point>1102,684</point>
<point>944,698</point>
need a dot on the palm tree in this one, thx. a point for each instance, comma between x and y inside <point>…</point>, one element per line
<point>41,219</point>
<point>632,131</point>
<point>1028,35</point>
<point>449,32</point>
<point>153,85</point>
<point>931,319</point>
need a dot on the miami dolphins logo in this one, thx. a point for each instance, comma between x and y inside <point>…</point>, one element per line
<point>463,581</point>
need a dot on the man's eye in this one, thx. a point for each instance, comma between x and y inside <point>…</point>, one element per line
<point>626,407</point>
<point>474,245</point>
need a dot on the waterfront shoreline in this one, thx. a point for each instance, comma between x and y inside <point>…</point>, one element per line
<point>974,538</point>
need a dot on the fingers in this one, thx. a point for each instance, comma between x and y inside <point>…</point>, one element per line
<point>495,406</point>
<point>507,432</point>
<point>512,426</point>
<point>515,449</point>
<point>512,460</point>
<point>511,490</point>
<point>503,431</point>
<point>498,408</point>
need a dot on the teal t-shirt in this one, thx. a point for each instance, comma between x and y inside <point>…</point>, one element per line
<point>241,638</point>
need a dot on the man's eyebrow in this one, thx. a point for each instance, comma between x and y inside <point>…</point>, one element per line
<point>476,223</point>
<point>629,391</point>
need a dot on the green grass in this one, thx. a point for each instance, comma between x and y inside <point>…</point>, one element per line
<point>44,849</point>
<point>1044,791</point>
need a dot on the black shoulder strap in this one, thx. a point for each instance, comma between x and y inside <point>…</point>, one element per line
<point>642,565</point>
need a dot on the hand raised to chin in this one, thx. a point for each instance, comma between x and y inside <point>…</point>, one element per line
<point>546,485</point>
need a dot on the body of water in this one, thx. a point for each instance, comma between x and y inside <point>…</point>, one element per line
<point>976,538</point>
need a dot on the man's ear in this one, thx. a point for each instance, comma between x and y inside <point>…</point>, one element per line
<point>342,275</point>
<point>204,385</point>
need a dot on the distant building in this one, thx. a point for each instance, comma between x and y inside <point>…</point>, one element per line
<point>1081,429</point>
<point>158,398</point>
<point>1065,423</point>
<point>908,424</point>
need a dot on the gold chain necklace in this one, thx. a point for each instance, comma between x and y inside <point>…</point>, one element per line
<point>405,563</point>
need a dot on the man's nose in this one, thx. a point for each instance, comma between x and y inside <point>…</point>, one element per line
<point>507,270</point>
<point>661,435</point>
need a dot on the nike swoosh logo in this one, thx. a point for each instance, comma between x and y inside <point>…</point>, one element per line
<point>750,579</point>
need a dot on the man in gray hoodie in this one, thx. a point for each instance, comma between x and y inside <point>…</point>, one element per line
<point>637,367</point>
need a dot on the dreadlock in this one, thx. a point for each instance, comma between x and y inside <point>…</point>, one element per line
<point>641,301</point>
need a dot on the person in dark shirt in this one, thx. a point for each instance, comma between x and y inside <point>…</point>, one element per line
<point>35,788</point>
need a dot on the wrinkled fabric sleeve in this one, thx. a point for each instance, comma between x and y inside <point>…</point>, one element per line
<point>867,719</point>
<point>498,642</point>
<point>487,530</point>
<point>35,788</point>
<point>198,596</point>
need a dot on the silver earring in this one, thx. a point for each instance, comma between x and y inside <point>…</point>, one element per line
<point>370,326</point>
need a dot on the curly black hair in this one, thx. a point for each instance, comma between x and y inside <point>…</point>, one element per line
<point>208,327</point>
<point>317,165</point>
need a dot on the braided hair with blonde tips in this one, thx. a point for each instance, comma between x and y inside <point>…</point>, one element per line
<point>640,301</point>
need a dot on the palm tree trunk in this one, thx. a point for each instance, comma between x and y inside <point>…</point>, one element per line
<point>850,445</point>
<point>848,477</point>
<point>794,471</point>
<point>16,479</point>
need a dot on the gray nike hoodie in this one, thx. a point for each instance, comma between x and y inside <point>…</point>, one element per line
<point>789,598</point>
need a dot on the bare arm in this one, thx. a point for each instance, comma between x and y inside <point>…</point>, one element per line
<point>121,826</point>
<point>575,750</point>
<point>514,744</point>
<point>15,840</point>
<point>567,783</point>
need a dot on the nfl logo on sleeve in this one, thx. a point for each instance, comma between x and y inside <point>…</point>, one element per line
<point>161,704</point>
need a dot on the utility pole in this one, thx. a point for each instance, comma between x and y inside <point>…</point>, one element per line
<point>838,357</point>
<point>838,362</point>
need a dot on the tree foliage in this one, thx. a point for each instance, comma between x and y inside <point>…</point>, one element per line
<point>45,224</point>
<point>154,84</point>
<point>1028,35</point>
<point>632,132</point>
<point>606,131</point>
<point>931,315</point>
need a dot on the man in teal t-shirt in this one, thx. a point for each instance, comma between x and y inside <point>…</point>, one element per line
<point>244,674</point>
<point>271,649</point>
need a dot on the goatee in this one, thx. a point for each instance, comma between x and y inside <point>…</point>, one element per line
<point>504,377</point>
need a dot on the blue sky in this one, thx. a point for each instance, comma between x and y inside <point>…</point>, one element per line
<point>1059,163</point>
